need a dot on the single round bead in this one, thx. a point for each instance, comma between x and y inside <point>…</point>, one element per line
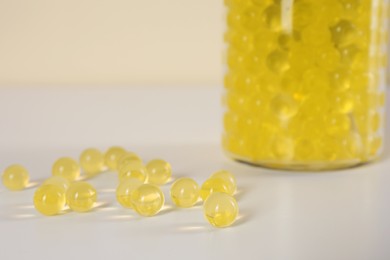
<point>127,159</point>
<point>147,200</point>
<point>159,172</point>
<point>124,190</point>
<point>92,161</point>
<point>284,106</point>
<point>133,171</point>
<point>49,199</point>
<point>112,157</point>
<point>229,178</point>
<point>81,196</point>
<point>184,192</point>
<point>59,181</point>
<point>15,177</point>
<point>344,33</point>
<point>272,17</point>
<point>340,80</point>
<point>277,61</point>
<point>66,167</point>
<point>213,185</point>
<point>220,209</point>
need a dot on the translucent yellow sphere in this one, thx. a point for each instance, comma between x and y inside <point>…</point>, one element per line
<point>49,199</point>
<point>159,172</point>
<point>184,192</point>
<point>124,190</point>
<point>213,185</point>
<point>15,177</point>
<point>147,200</point>
<point>81,196</point>
<point>59,181</point>
<point>220,209</point>
<point>66,167</point>
<point>133,171</point>
<point>128,159</point>
<point>112,157</point>
<point>229,178</point>
<point>92,161</point>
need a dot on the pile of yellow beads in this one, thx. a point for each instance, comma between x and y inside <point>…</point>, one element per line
<point>138,187</point>
<point>305,81</point>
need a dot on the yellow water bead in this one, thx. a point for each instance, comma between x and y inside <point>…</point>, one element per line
<point>147,200</point>
<point>159,171</point>
<point>340,80</point>
<point>341,103</point>
<point>212,185</point>
<point>67,168</point>
<point>229,178</point>
<point>15,177</point>
<point>124,190</point>
<point>184,192</point>
<point>252,18</point>
<point>344,33</point>
<point>81,196</point>
<point>235,59</point>
<point>220,209</point>
<point>112,156</point>
<point>303,14</point>
<point>278,61</point>
<point>240,40</point>
<point>128,159</point>
<point>284,106</point>
<point>272,17</point>
<point>92,161</point>
<point>49,199</point>
<point>133,171</point>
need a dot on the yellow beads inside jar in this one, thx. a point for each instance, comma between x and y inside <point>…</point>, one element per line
<point>305,82</point>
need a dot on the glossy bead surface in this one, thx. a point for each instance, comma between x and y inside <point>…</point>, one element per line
<point>159,171</point>
<point>49,199</point>
<point>15,177</point>
<point>213,185</point>
<point>58,181</point>
<point>137,171</point>
<point>67,168</point>
<point>124,190</point>
<point>81,196</point>
<point>128,159</point>
<point>184,192</point>
<point>112,156</point>
<point>220,209</point>
<point>229,178</point>
<point>147,200</point>
<point>92,161</point>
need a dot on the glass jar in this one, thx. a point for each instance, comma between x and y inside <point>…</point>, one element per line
<point>305,82</point>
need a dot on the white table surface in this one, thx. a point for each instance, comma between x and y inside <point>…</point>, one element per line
<point>283,215</point>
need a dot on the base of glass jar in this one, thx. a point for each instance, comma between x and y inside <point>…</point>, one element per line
<point>301,166</point>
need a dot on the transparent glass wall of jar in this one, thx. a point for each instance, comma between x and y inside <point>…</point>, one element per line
<point>305,82</point>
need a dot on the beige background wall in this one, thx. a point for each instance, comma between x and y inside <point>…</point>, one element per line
<point>105,42</point>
